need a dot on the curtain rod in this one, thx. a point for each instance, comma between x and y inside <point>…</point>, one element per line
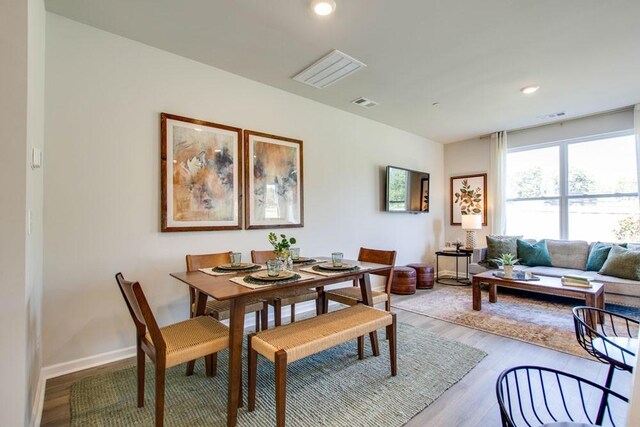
<point>561,122</point>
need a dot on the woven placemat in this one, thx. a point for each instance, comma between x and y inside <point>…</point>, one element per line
<point>215,271</point>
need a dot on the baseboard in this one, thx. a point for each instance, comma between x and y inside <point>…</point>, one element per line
<point>64,368</point>
<point>38,401</point>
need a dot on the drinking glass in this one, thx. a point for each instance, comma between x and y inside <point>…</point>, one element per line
<point>236,258</point>
<point>295,253</point>
<point>336,259</point>
<point>273,267</point>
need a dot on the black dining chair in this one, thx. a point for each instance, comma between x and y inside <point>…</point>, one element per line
<point>537,396</point>
<point>614,340</point>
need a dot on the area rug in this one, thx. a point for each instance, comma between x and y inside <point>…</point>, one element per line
<point>538,319</point>
<point>332,388</point>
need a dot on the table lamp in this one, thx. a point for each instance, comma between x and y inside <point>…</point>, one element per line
<point>471,223</point>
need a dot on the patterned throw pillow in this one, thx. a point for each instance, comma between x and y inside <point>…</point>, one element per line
<point>498,245</point>
<point>623,263</point>
<point>535,254</point>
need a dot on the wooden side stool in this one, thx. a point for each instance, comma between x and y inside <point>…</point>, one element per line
<point>424,275</point>
<point>404,281</point>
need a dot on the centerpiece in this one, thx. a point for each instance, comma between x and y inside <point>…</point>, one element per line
<point>281,248</point>
<point>507,260</point>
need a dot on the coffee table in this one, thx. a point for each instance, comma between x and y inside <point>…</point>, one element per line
<point>593,297</point>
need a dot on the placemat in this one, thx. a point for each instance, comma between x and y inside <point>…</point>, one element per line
<point>255,284</point>
<point>320,272</point>
<point>214,271</point>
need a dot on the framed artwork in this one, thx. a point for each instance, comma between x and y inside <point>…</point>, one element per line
<point>273,181</point>
<point>201,165</point>
<point>468,196</point>
<point>424,195</point>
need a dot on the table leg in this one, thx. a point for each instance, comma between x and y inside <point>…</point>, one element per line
<point>475,289</point>
<point>590,301</point>
<point>600,305</point>
<point>236,330</point>
<point>320,304</point>
<point>201,306</point>
<point>367,298</point>
<point>457,280</point>
<point>437,269</point>
<point>493,292</point>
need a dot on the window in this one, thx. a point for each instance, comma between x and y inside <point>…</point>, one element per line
<point>583,189</point>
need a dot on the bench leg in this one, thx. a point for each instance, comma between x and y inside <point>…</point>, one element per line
<point>392,332</point>
<point>253,367</point>
<point>277,312</point>
<point>211,364</point>
<point>293,313</point>
<point>281,386</point>
<point>361,347</point>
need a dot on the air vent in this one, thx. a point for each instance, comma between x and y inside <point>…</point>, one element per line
<point>365,102</point>
<point>552,116</point>
<point>327,70</point>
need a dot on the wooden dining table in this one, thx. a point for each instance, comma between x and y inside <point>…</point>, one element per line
<point>222,288</point>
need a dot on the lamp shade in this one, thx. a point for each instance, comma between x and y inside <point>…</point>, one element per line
<point>471,222</point>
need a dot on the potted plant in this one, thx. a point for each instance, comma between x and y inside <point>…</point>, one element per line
<point>281,248</point>
<point>507,261</point>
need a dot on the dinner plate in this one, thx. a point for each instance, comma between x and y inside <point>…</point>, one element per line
<point>301,260</point>
<point>242,266</point>
<point>329,266</point>
<point>264,275</point>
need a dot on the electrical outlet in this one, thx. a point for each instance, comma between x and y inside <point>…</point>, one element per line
<point>36,158</point>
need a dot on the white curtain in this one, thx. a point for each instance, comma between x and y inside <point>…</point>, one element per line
<point>498,182</point>
<point>636,126</point>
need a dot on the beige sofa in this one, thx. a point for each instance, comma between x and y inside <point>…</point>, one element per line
<point>570,257</point>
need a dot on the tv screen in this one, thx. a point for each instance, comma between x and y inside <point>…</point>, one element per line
<point>407,190</point>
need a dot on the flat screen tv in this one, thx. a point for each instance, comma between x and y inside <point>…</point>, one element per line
<point>407,190</point>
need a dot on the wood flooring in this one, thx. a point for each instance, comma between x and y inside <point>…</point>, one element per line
<point>470,402</point>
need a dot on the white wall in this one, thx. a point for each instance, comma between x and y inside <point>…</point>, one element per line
<point>104,95</point>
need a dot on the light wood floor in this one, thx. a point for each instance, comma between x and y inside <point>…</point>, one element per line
<point>470,402</point>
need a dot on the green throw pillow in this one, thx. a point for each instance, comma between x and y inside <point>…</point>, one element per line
<point>598,255</point>
<point>623,263</point>
<point>535,254</point>
<point>498,245</point>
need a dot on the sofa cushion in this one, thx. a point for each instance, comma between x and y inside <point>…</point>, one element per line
<point>533,254</point>
<point>568,253</point>
<point>598,255</point>
<point>623,263</point>
<point>498,245</point>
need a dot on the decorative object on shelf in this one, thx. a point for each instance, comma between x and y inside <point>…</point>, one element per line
<point>507,261</point>
<point>471,223</point>
<point>468,197</point>
<point>201,164</point>
<point>282,249</point>
<point>273,181</point>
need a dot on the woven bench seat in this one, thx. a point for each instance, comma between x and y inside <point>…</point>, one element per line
<point>296,341</point>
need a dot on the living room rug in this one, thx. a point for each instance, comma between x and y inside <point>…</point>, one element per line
<point>331,388</point>
<point>538,319</point>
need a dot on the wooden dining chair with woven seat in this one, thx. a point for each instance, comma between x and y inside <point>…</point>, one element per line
<point>170,345</point>
<point>285,297</point>
<point>352,295</point>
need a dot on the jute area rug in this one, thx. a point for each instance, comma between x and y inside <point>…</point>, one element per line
<point>332,388</point>
<point>538,319</point>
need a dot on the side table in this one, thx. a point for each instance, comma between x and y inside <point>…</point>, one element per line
<point>462,253</point>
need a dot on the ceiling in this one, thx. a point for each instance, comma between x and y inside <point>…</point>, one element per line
<point>472,57</point>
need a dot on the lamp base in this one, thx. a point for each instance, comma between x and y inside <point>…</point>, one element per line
<point>471,239</point>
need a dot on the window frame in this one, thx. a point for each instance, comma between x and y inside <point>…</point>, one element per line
<point>563,196</point>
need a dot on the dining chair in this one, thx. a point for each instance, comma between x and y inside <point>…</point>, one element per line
<point>170,345</point>
<point>536,396</point>
<point>613,341</point>
<point>352,295</point>
<point>285,297</point>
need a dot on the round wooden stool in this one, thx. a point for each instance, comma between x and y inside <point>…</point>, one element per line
<point>404,281</point>
<point>424,275</point>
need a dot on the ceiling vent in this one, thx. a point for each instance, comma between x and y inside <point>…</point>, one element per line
<point>365,102</point>
<point>552,116</point>
<point>329,69</point>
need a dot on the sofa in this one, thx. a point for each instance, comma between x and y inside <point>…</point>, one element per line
<point>570,257</point>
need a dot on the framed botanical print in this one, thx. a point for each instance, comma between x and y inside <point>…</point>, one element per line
<point>273,181</point>
<point>201,165</point>
<point>468,196</point>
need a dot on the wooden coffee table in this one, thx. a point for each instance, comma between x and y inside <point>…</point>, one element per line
<point>593,297</point>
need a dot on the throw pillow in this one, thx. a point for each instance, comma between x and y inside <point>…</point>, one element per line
<point>623,263</point>
<point>598,255</point>
<point>498,245</point>
<point>535,254</point>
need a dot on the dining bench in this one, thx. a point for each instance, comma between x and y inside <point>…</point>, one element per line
<point>296,341</point>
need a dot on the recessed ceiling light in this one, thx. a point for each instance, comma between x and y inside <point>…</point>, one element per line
<point>323,7</point>
<point>528,90</point>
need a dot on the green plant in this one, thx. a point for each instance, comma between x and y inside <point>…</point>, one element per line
<point>506,259</point>
<point>281,245</point>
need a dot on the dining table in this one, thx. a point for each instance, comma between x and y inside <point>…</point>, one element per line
<point>223,288</point>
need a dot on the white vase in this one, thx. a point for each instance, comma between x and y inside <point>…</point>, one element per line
<point>508,271</point>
